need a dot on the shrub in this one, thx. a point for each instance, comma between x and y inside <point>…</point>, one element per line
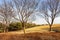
<point>14,26</point>
<point>1,31</point>
<point>29,25</point>
<point>2,27</point>
<point>56,30</point>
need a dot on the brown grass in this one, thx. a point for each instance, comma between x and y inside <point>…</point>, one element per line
<point>31,36</point>
<point>35,33</point>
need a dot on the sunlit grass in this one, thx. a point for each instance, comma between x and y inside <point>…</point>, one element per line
<point>43,28</point>
<point>40,29</point>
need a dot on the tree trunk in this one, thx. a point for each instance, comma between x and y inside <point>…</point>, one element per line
<point>50,29</point>
<point>23,26</point>
<point>4,29</point>
<point>24,30</point>
<point>7,26</point>
<point>51,24</point>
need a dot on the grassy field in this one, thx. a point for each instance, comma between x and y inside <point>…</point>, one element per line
<point>44,28</point>
<point>40,29</point>
<point>35,33</point>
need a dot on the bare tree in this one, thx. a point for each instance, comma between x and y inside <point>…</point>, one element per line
<point>24,10</point>
<point>6,12</point>
<point>50,9</point>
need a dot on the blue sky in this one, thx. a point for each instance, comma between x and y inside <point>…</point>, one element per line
<point>40,20</point>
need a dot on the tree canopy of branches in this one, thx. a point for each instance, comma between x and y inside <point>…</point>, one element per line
<point>24,10</point>
<point>50,9</point>
<point>6,13</point>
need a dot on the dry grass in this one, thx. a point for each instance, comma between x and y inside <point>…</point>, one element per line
<point>35,33</point>
<point>40,29</point>
<point>31,36</point>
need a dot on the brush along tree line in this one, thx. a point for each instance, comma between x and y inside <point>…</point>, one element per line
<point>14,26</point>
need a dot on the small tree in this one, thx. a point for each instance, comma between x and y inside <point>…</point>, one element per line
<point>50,9</point>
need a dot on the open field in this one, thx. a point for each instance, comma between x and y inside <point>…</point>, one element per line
<point>40,29</point>
<point>35,33</point>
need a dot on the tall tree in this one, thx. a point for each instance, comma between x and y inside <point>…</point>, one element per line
<point>6,12</point>
<point>24,10</point>
<point>50,9</point>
